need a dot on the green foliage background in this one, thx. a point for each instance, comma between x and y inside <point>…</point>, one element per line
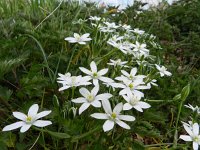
<point>31,57</point>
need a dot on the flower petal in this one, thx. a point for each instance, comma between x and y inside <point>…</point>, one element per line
<point>93,67</point>
<point>127,106</point>
<point>186,138</point>
<point>79,100</point>
<point>195,128</point>
<point>103,71</point>
<point>126,117</point>
<point>25,127</point>
<point>144,105</point>
<point>86,71</point>
<point>103,96</point>
<point>84,92</point>
<point>95,90</point>
<point>96,104</point>
<point>19,115</point>
<point>108,125</point>
<point>42,123</point>
<point>42,114</point>
<point>99,116</point>
<point>118,108</point>
<point>123,124</point>
<point>195,146</point>
<point>189,131</point>
<point>33,110</point>
<point>83,107</point>
<point>106,106</point>
<point>106,79</point>
<point>13,126</point>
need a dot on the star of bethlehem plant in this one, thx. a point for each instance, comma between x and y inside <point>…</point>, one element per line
<point>124,86</point>
<point>26,121</point>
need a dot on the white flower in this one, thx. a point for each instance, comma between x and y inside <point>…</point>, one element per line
<point>152,82</point>
<point>197,109</point>
<point>81,39</point>
<point>163,71</point>
<point>118,45</point>
<point>130,76</point>
<point>68,81</point>
<point>138,31</point>
<point>113,117</point>
<point>134,101</point>
<point>117,62</point>
<point>131,86</point>
<point>94,18</point>
<point>28,120</point>
<point>141,48</point>
<point>90,98</point>
<point>193,135</point>
<point>96,75</point>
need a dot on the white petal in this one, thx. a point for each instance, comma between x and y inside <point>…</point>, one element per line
<point>85,35</point>
<point>195,128</point>
<point>126,117</point>
<point>118,108</point>
<point>69,39</point>
<point>127,106</point>
<point>168,73</point>
<point>19,115</point>
<point>42,114</point>
<point>189,131</point>
<point>79,100</point>
<point>93,67</point>
<point>13,126</point>
<point>86,71</point>
<point>82,43</point>
<point>123,124</point>
<point>64,88</point>
<point>33,110</point>
<point>99,116</point>
<point>103,71</point>
<point>42,123</point>
<point>106,79</point>
<point>185,138</point>
<point>25,127</point>
<point>84,92</point>
<point>133,71</point>
<point>144,105</point>
<point>96,104</point>
<point>95,90</point>
<point>106,106</point>
<point>195,146</point>
<point>103,96</point>
<point>83,107</point>
<point>108,125</point>
<point>138,108</point>
<point>125,73</point>
<point>96,82</point>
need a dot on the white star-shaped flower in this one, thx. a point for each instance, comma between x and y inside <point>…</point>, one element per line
<point>113,117</point>
<point>163,71</point>
<point>68,81</point>
<point>90,98</point>
<point>117,62</point>
<point>96,75</point>
<point>26,121</point>
<point>134,101</point>
<point>193,135</point>
<point>81,39</point>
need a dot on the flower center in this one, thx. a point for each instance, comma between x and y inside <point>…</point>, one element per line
<point>131,86</point>
<point>196,139</point>
<point>114,115</point>
<point>28,119</point>
<point>134,101</point>
<point>90,98</point>
<point>95,75</point>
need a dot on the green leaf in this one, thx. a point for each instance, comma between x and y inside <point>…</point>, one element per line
<point>185,92</point>
<point>58,134</point>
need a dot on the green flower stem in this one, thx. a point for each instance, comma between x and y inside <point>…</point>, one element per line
<point>74,49</point>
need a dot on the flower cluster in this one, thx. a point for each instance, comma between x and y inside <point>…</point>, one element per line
<point>126,80</point>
